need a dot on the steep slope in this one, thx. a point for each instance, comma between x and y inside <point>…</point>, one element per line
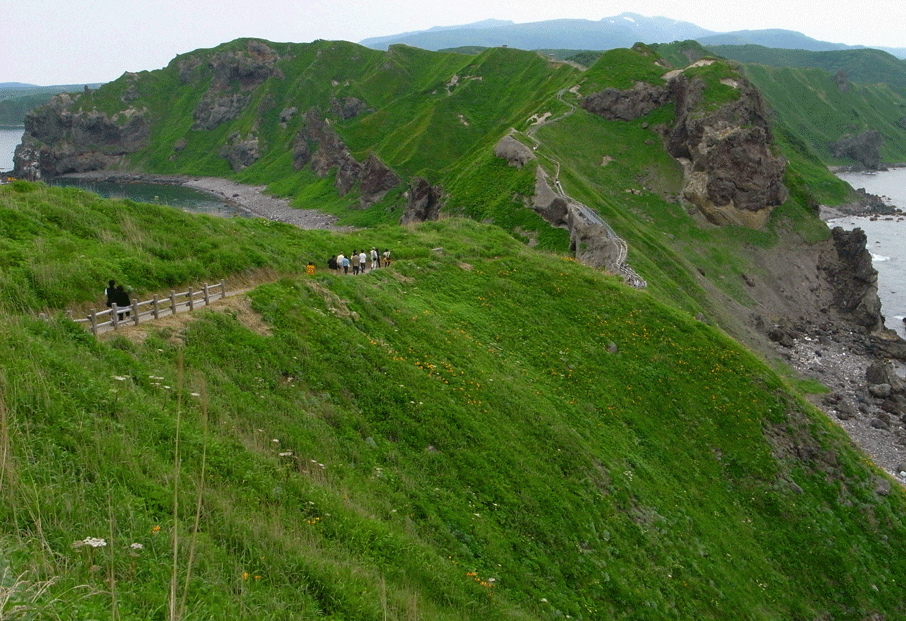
<point>409,134</point>
<point>479,429</point>
<point>862,66</point>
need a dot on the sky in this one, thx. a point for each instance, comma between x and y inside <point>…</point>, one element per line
<point>55,42</point>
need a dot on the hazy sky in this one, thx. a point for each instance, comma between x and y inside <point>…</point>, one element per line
<point>73,42</point>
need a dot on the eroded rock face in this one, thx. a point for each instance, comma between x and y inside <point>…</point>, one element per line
<point>377,179</point>
<point>319,146</point>
<point>730,172</point>
<point>58,141</point>
<point>731,175</point>
<point>614,104</point>
<point>348,107</point>
<point>424,204</point>
<point>865,148</point>
<point>247,68</point>
<point>241,152</point>
<point>855,280</point>
<point>62,138</point>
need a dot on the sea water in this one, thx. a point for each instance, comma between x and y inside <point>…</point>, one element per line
<point>9,138</point>
<point>886,240</point>
<point>180,197</point>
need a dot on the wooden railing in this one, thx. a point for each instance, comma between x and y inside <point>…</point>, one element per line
<point>155,308</point>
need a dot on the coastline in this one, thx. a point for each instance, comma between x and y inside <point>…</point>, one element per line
<point>248,198</point>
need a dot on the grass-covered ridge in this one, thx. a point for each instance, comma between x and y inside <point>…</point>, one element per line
<point>480,430</point>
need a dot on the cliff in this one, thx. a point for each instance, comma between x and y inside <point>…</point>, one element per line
<point>731,172</point>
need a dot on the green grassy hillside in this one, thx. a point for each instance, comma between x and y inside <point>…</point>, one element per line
<point>862,66</point>
<point>480,430</point>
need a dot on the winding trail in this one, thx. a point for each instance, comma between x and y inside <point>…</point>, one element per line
<point>619,265</point>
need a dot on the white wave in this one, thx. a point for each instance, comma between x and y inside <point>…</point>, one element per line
<point>878,258</point>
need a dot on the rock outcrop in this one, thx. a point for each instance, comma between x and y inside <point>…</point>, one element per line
<point>514,152</point>
<point>626,105</point>
<point>855,280</point>
<point>424,202</point>
<point>58,140</point>
<point>731,175</point>
<point>70,135</point>
<point>865,148</point>
<point>320,147</point>
<point>241,152</point>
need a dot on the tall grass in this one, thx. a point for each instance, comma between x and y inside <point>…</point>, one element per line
<point>450,436</point>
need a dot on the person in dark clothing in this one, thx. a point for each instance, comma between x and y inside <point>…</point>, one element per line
<point>110,292</point>
<point>332,263</point>
<point>122,301</point>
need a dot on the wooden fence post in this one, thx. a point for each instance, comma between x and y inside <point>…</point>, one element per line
<point>135,310</point>
<point>223,288</point>
<point>156,310</point>
<point>114,315</point>
<point>172,301</point>
<point>206,300</point>
<point>94,322</point>
<point>191,300</point>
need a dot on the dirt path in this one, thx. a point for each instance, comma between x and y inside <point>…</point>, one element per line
<point>235,303</point>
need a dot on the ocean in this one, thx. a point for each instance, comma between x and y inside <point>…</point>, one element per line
<point>886,240</point>
<point>9,138</point>
<point>179,197</point>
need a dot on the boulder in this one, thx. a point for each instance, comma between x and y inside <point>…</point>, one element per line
<point>514,152</point>
<point>880,373</point>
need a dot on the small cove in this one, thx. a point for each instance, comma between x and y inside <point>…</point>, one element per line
<point>178,196</point>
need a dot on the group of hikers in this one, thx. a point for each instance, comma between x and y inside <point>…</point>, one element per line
<point>358,260</point>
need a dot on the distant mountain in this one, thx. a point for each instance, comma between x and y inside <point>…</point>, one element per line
<point>384,42</point>
<point>16,85</point>
<point>786,40</point>
<point>777,38</point>
<point>622,30</point>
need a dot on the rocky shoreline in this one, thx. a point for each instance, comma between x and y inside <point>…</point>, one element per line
<point>864,373</point>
